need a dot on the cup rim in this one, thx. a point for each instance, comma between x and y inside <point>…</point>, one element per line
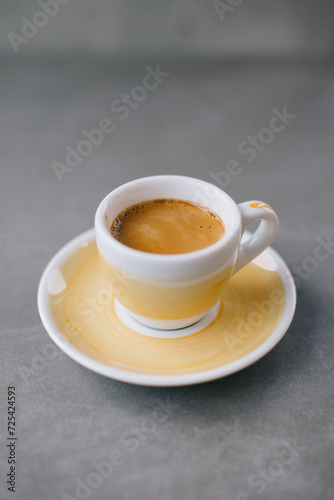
<point>129,252</point>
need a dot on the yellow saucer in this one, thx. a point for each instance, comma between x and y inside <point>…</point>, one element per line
<point>79,314</point>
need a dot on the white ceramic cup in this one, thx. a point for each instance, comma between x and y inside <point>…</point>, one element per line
<point>174,291</point>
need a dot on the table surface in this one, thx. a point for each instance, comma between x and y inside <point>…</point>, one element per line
<point>265,432</point>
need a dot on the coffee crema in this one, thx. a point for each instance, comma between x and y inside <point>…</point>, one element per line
<point>167,226</point>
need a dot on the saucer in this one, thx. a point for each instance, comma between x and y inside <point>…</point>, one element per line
<point>90,326</point>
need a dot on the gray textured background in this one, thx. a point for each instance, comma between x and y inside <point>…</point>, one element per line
<point>225,79</point>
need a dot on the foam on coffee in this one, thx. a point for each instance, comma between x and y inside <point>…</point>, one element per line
<point>167,226</point>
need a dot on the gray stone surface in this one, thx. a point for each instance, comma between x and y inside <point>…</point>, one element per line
<point>235,28</point>
<point>216,439</point>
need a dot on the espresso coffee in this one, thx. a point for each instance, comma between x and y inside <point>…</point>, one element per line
<point>167,226</point>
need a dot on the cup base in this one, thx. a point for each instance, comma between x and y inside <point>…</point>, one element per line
<point>158,328</point>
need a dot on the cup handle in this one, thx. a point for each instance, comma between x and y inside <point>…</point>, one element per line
<point>251,211</point>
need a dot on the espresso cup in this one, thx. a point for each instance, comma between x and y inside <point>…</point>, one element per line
<point>172,291</point>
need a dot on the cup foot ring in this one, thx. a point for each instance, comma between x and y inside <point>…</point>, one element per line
<point>128,320</point>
